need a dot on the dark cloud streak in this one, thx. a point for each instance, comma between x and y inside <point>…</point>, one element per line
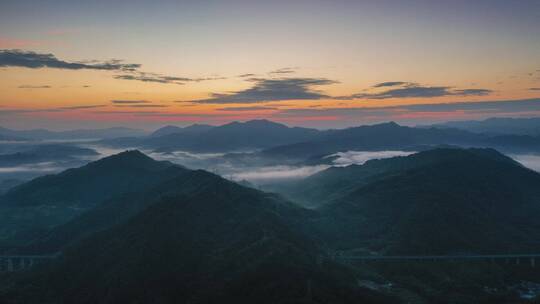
<point>33,60</point>
<point>130,71</point>
<point>389,84</point>
<point>415,90</point>
<point>254,108</point>
<point>34,87</point>
<point>130,101</point>
<point>272,90</point>
<point>158,78</point>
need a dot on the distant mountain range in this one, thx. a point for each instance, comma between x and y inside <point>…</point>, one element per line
<point>44,153</point>
<point>192,129</point>
<point>281,142</point>
<point>7,138</point>
<point>516,126</point>
<point>254,134</point>
<point>43,134</point>
<point>235,136</point>
<point>391,136</point>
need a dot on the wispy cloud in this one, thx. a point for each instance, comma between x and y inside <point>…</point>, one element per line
<point>49,110</point>
<point>158,78</point>
<point>80,107</point>
<point>145,77</point>
<point>141,106</point>
<point>287,70</point>
<point>114,112</point>
<point>130,101</point>
<point>26,86</point>
<point>534,89</point>
<point>254,108</point>
<point>33,60</point>
<point>400,89</point>
<point>272,90</point>
<point>130,71</point>
<point>246,75</point>
<point>419,111</point>
<point>389,84</point>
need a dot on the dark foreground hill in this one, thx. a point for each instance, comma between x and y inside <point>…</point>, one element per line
<point>219,242</point>
<point>335,182</point>
<point>194,237</point>
<point>38,205</point>
<point>443,201</point>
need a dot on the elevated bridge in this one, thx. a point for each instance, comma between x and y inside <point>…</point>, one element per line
<point>10,263</point>
<point>516,259</point>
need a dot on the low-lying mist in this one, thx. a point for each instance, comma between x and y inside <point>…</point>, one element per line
<point>241,167</point>
<point>531,161</point>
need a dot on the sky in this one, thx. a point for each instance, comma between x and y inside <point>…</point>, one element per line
<point>323,64</point>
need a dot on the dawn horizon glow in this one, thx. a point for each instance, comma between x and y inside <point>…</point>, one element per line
<point>318,64</point>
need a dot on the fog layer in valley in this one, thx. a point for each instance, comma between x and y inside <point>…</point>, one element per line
<point>256,172</point>
<point>530,161</point>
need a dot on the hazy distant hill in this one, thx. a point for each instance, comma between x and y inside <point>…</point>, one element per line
<point>6,137</point>
<point>213,242</point>
<point>54,199</point>
<point>444,201</point>
<point>45,153</point>
<point>254,134</point>
<point>517,126</point>
<point>385,136</point>
<point>43,134</point>
<point>193,129</point>
<point>391,136</point>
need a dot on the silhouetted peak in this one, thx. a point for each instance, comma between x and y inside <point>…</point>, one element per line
<point>390,124</point>
<point>256,123</point>
<point>131,154</point>
<point>131,157</point>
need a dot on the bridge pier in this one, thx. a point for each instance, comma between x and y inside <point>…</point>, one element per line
<point>517,261</point>
<point>533,262</point>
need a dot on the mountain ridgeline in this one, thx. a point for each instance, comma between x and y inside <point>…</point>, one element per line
<point>31,208</point>
<point>150,231</point>
<point>254,134</point>
<point>271,140</point>
<point>204,239</point>
<point>442,201</point>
